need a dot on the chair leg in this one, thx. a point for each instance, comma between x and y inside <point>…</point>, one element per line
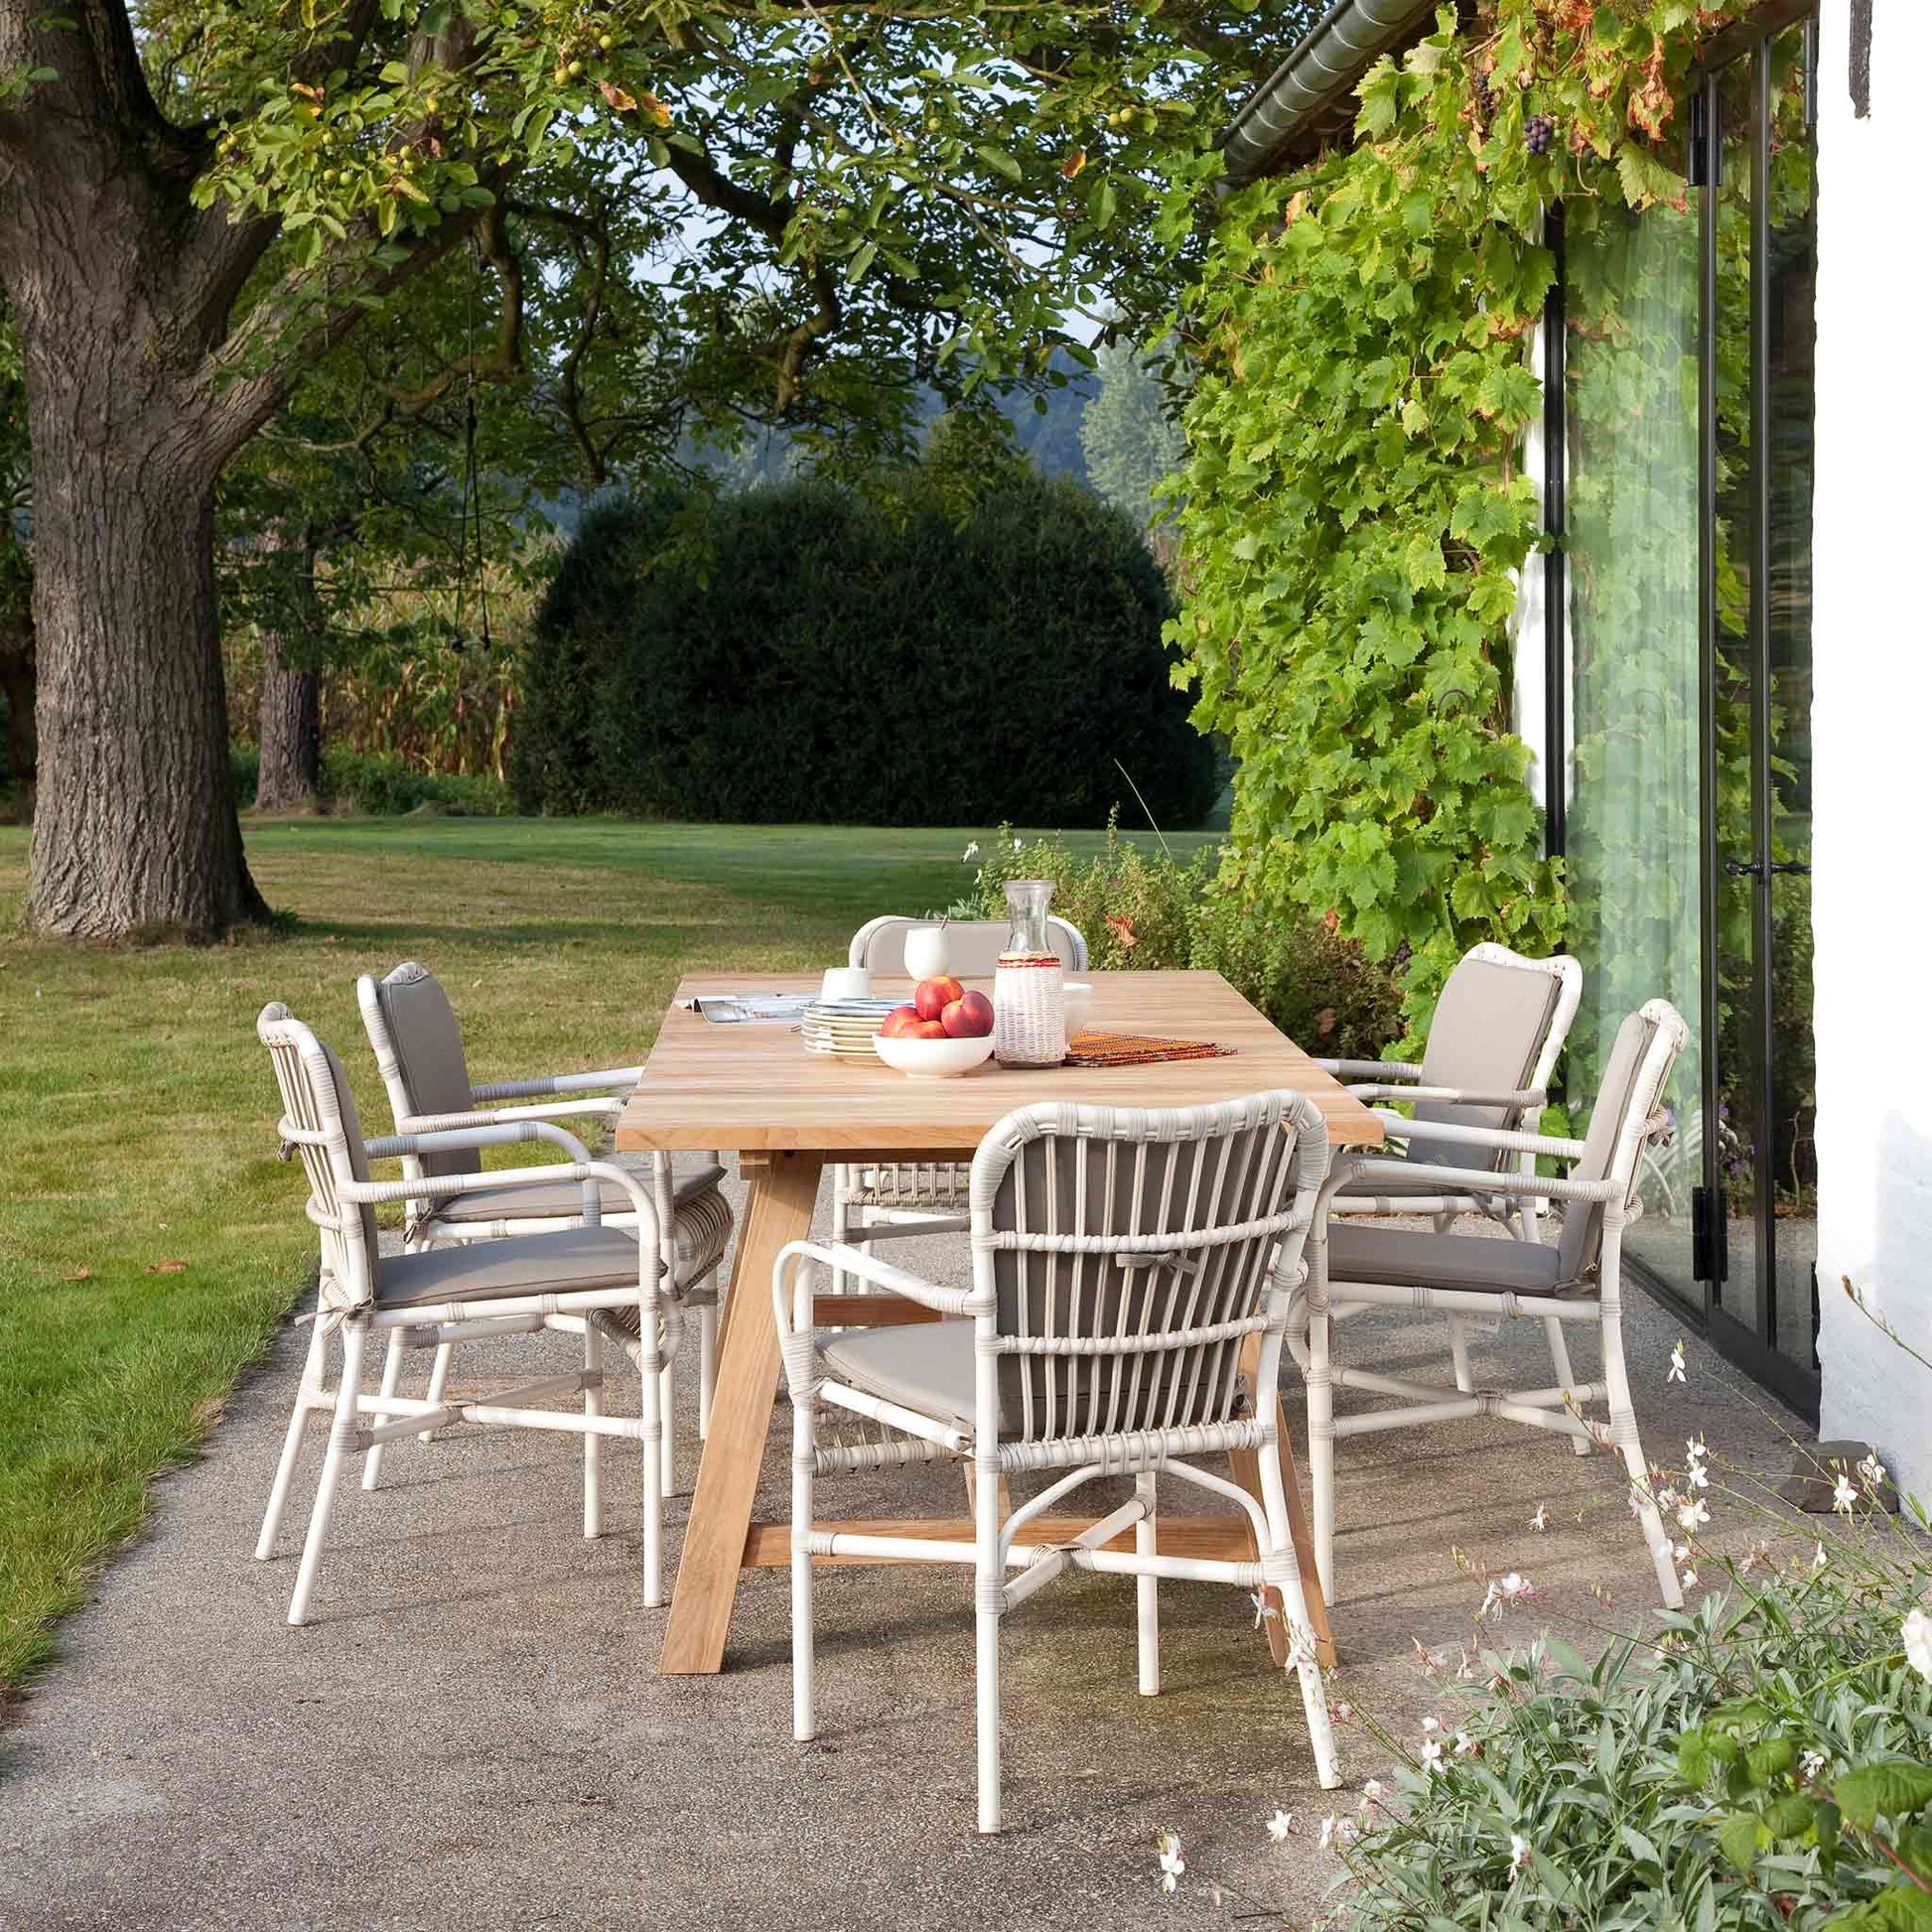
<point>278,1494</point>
<point>1460,1354</point>
<point>988,1578</point>
<point>392,1375</point>
<point>1322,1419</point>
<point>1624,1434</point>
<point>841,1223</point>
<point>439,1378</point>
<point>650,1434</point>
<point>592,1442</point>
<point>1280,1568</point>
<point>1147,1599</point>
<point>804,1439</point>
<point>341,1434</point>
<point>707,1360</point>
<point>1560,1361</point>
<point>667,1408</point>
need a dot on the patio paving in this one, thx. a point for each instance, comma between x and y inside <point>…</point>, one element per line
<point>472,1732</point>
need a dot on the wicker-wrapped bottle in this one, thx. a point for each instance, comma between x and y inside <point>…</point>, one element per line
<point>1028,1015</point>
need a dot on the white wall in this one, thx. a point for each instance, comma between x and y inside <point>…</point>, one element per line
<point>1872,738</point>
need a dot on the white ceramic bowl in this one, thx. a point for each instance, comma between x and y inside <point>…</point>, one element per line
<point>927,950</point>
<point>933,1060</point>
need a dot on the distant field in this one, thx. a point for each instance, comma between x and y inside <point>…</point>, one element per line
<point>137,1110</point>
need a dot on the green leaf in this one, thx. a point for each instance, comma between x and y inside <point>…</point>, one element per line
<point>1891,1787</point>
<point>1001,162</point>
<point>1739,1837</point>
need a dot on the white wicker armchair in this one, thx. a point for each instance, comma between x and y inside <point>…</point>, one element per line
<point>418,1045</point>
<point>904,1198</point>
<point>1355,1265</point>
<point>604,1283</point>
<point>1122,1261</point>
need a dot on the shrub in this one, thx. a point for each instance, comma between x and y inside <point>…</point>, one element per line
<point>1139,909</point>
<point>378,787</point>
<point>1767,1763</point>
<point>803,652</point>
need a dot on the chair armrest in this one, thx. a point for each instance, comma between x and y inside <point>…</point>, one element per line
<point>1371,1069</point>
<point>491,1133</point>
<point>1472,1183</point>
<point>881,1274</point>
<point>1519,1098</point>
<point>489,1116</point>
<point>602,1081</point>
<point>439,1187</point>
<point>1399,1128</point>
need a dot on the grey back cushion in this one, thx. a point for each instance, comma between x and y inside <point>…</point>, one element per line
<point>429,1046</point>
<point>1489,1027</point>
<point>973,946</point>
<point>1583,1223</point>
<point>359,1159</point>
<point>1061,1185</point>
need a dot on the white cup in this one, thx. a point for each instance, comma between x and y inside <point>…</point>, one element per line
<point>926,952</point>
<point>845,983</point>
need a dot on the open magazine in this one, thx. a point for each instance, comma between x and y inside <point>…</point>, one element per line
<point>741,1008</point>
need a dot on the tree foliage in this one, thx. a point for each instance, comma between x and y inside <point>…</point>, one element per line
<point>1129,433</point>
<point>1353,511</point>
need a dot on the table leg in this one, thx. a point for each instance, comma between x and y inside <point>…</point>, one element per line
<point>1245,1467</point>
<point>780,1209</point>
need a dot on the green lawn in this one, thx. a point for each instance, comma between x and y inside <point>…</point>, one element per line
<point>137,1110</point>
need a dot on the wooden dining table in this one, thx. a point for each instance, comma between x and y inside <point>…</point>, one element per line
<point>752,1089</point>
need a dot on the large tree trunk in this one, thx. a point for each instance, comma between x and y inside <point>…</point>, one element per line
<point>291,709</point>
<point>135,830</point>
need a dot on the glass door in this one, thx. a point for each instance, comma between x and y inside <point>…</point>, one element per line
<point>1759,1204</point>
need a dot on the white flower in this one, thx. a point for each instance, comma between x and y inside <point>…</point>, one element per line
<point>1541,1520</point>
<point>1373,1789</point>
<point>1173,1864</point>
<point>1872,1470</point>
<point>1681,1551</point>
<point>971,852</point>
<point>1430,1723</point>
<point>1330,1826</point>
<point>1759,1550</point>
<point>1432,1757</point>
<point>1845,1493</point>
<point>1695,1448</point>
<point>1343,1712</point>
<point>1466,1746</point>
<point>1819,1558</point>
<point>1916,1634</point>
<point>1263,1609</point>
<point>1519,1851</point>
<point>1811,1763</point>
<point>1689,1577</point>
<point>1280,1825</point>
<point>1698,1476</point>
<point>1676,1363</point>
<point>1691,1513</point>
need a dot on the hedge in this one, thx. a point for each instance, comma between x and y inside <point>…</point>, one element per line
<point>803,653</point>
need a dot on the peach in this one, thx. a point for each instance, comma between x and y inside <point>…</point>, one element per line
<point>899,1022</point>
<point>926,1030</point>
<point>933,997</point>
<point>970,1016</point>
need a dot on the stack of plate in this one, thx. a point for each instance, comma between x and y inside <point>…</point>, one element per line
<point>843,1027</point>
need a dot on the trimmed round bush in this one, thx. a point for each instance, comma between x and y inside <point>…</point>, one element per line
<point>803,653</point>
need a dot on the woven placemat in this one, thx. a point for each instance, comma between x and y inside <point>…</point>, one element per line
<point>1136,1049</point>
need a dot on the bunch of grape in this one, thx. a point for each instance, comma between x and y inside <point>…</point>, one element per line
<point>1485,100</point>
<point>1538,132</point>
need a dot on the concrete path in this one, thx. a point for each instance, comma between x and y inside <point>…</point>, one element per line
<point>471,1732</point>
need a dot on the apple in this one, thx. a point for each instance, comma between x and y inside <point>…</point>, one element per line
<point>970,1016</point>
<point>926,1030</point>
<point>933,997</point>
<point>899,1022</point>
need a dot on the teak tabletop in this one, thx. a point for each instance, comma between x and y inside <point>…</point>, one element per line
<point>753,1089</point>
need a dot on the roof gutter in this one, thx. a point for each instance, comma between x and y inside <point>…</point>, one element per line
<point>1335,54</point>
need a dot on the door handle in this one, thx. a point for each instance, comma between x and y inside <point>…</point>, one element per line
<point>1744,867</point>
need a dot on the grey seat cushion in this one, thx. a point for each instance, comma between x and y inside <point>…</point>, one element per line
<point>1402,1184</point>
<point>562,1200</point>
<point>927,1366</point>
<point>1362,1251</point>
<point>540,1263</point>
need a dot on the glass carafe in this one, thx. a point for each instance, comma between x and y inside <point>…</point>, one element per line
<point>1029,1010</point>
<point>1027,903</point>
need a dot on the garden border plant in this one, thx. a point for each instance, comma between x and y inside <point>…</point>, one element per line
<point>1353,512</point>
